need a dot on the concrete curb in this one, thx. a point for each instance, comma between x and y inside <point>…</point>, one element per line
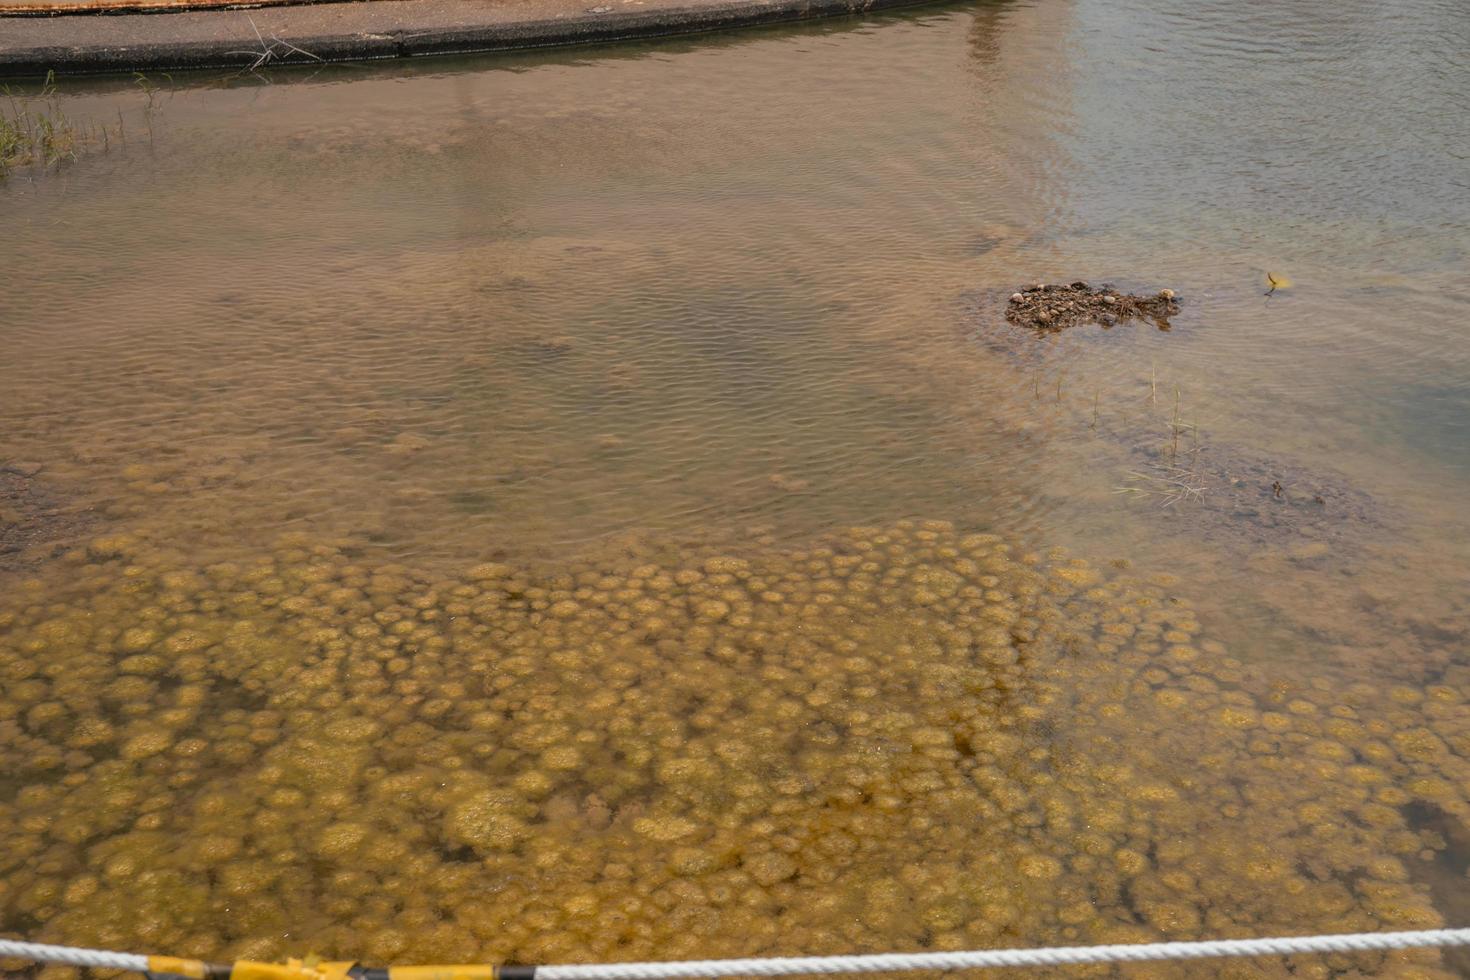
<point>92,43</point>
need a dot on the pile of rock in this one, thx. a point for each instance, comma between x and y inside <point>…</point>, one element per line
<point>1047,306</point>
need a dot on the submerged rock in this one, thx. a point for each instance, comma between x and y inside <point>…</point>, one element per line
<point>1053,307</point>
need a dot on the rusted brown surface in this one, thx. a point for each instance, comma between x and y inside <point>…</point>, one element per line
<point>57,8</point>
<point>68,7</point>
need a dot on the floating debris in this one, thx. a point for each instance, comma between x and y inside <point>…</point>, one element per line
<point>1277,281</point>
<point>1050,306</point>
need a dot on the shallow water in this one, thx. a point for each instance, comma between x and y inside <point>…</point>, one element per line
<point>589,506</point>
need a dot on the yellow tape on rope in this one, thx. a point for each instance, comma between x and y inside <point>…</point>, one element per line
<point>194,969</point>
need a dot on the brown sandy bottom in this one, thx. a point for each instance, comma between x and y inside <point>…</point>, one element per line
<point>34,514</point>
<point>898,738</point>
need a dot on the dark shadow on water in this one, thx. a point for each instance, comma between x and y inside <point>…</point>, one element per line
<point>1435,421</point>
<point>1444,874</point>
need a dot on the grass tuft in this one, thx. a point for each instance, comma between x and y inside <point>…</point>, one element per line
<point>34,130</point>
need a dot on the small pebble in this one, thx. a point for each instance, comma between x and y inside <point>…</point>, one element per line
<point>1017,297</point>
<point>1110,300</point>
<point>1166,294</point>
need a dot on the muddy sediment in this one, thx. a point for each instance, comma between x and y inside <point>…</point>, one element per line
<point>1246,499</point>
<point>33,514</point>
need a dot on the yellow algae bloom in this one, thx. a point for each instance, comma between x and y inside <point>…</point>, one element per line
<point>886,739</point>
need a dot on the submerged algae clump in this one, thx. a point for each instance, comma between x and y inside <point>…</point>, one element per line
<point>898,738</point>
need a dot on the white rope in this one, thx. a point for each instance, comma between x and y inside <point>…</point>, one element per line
<point>880,962</point>
<point>72,956</point>
<point>1056,956</point>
